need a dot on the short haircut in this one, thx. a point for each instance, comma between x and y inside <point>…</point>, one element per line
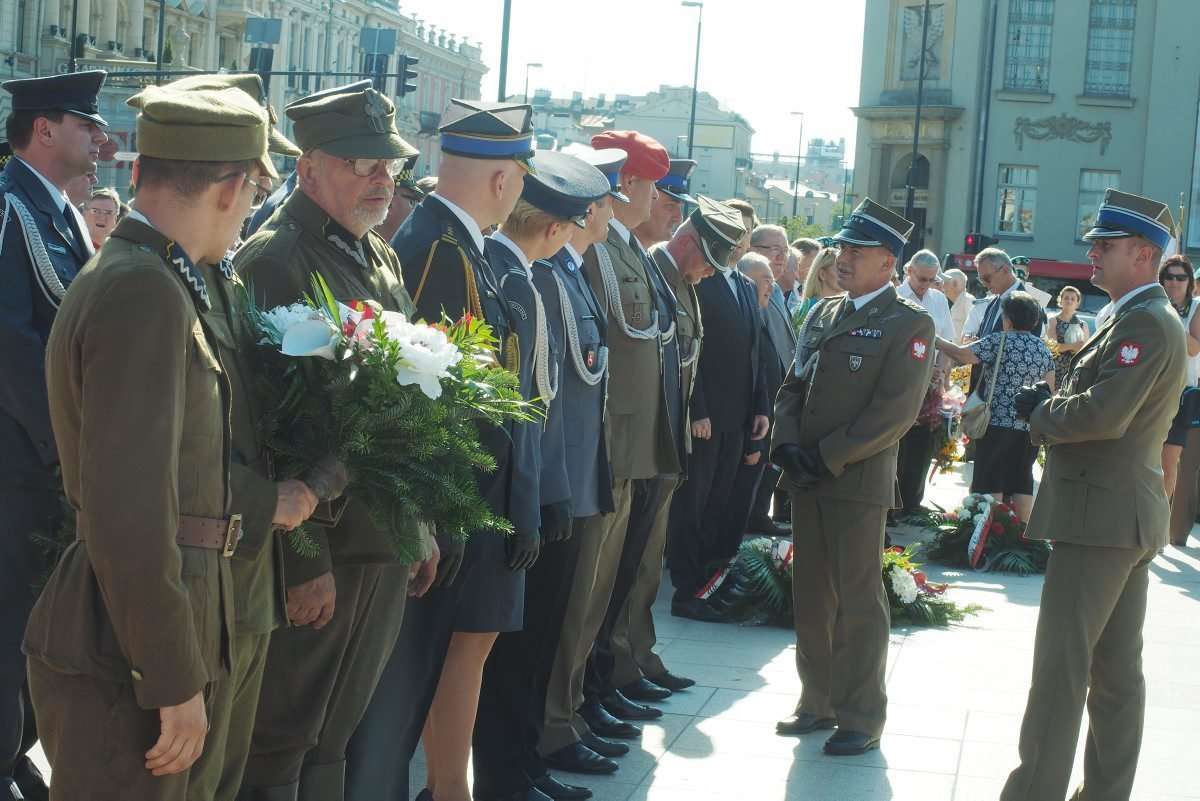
<point>997,257</point>
<point>19,126</point>
<point>527,219</point>
<point>186,178</point>
<point>1181,261</point>
<point>753,262</point>
<point>957,276</point>
<point>1022,311</point>
<point>1069,290</point>
<point>924,258</point>
<point>106,193</point>
<point>759,230</point>
<point>806,246</point>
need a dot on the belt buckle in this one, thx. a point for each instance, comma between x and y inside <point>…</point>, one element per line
<point>233,534</point>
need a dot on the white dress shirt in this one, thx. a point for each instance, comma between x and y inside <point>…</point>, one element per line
<point>936,304</point>
<point>863,300</point>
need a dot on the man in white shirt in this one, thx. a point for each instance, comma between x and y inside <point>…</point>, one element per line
<point>916,447</point>
<point>960,300</point>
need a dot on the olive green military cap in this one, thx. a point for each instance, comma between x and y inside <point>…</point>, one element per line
<point>353,122</point>
<point>202,125</point>
<point>719,227</point>
<point>251,84</point>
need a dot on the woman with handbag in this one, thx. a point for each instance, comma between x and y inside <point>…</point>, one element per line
<point>1011,358</point>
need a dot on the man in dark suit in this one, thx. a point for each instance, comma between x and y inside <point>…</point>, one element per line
<point>55,132</point>
<point>729,413</point>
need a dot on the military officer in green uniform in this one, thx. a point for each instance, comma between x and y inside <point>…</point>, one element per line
<point>346,604</point>
<point>1102,502</point>
<point>265,506</point>
<point>133,628</point>
<point>864,359</point>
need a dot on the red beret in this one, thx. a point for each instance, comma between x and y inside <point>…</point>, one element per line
<point>647,158</point>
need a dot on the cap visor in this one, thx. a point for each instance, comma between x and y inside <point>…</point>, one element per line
<point>1100,232</point>
<point>682,197</point>
<point>279,144</point>
<point>853,237</point>
<point>621,196</point>
<point>96,118</point>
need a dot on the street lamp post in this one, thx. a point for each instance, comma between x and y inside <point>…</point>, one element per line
<point>799,155</point>
<point>162,33</point>
<point>71,66</point>
<point>910,194</point>
<point>530,66</point>
<point>502,88</point>
<point>695,73</point>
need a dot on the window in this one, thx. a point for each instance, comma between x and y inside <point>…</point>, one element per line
<point>1092,184</point>
<point>1017,203</point>
<point>1110,48</point>
<point>1027,53</point>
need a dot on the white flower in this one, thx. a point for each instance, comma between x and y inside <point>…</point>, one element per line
<point>312,337</point>
<point>426,354</point>
<point>279,320</point>
<point>903,584</point>
<point>989,499</point>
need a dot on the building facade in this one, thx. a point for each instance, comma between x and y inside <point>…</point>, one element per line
<point>1032,108</point>
<point>318,36</point>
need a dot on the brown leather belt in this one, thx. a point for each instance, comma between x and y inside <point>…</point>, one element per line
<point>213,533</point>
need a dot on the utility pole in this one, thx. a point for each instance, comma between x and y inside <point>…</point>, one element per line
<point>799,155</point>
<point>162,35</point>
<point>502,90</point>
<point>695,74</point>
<point>71,65</point>
<point>910,194</point>
<point>984,114</point>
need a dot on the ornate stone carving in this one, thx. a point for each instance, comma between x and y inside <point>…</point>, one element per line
<point>1065,127</point>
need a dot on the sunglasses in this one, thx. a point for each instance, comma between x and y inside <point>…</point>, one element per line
<point>1174,277</point>
<point>262,188</point>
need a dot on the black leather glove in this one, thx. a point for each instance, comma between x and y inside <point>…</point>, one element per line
<point>804,466</point>
<point>450,561</point>
<point>327,478</point>
<point>523,548</point>
<point>1029,398</point>
<point>556,522</point>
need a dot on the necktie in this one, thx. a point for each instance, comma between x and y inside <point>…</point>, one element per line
<point>846,310</point>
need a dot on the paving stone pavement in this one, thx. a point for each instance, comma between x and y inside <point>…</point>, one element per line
<point>956,698</point>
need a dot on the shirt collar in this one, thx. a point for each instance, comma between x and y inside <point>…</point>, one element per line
<point>863,300</point>
<point>621,230</point>
<point>56,194</point>
<point>499,237</point>
<point>466,219</point>
<point>1130,295</point>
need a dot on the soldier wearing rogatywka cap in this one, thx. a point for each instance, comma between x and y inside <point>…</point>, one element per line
<point>555,206</point>
<point>863,362</point>
<point>669,207</point>
<point>265,505</point>
<point>1103,504</point>
<point>352,153</point>
<point>134,626</point>
<point>54,137</point>
<point>486,149</point>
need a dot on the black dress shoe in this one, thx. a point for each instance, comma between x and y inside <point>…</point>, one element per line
<point>696,609</point>
<point>425,795</point>
<point>532,794</point>
<point>850,743</point>
<point>621,707</point>
<point>603,724</point>
<point>605,748</point>
<point>642,690</point>
<point>671,681</point>
<point>561,791</point>
<point>804,723</point>
<point>30,781</point>
<point>578,758</point>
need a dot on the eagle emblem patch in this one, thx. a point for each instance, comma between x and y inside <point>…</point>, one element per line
<point>1129,354</point>
<point>918,349</point>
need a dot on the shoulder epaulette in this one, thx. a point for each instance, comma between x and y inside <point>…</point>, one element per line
<point>911,304</point>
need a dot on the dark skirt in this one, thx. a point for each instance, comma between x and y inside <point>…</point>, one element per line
<point>1004,462</point>
<point>1187,418</point>
<point>491,597</point>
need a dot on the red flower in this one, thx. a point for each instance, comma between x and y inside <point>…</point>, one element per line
<point>919,577</point>
<point>895,549</point>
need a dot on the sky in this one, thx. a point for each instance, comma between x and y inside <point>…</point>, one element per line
<point>761,58</point>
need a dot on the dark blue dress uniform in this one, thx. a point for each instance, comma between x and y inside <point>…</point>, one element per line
<point>447,272</point>
<point>512,698</point>
<point>43,243</point>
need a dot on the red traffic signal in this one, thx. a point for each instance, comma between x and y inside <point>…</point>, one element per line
<point>976,242</point>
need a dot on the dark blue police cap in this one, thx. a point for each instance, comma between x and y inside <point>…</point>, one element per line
<point>675,182</point>
<point>564,186</point>
<point>609,161</point>
<point>72,92</point>
<point>479,130</point>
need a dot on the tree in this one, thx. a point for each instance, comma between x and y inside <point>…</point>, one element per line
<point>797,228</point>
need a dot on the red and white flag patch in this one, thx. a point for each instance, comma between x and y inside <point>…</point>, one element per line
<point>918,348</point>
<point>1129,354</point>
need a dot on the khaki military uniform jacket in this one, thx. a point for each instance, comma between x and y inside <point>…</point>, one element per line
<point>689,331</point>
<point>139,401</point>
<point>277,264</point>
<point>1105,428</point>
<point>641,444</point>
<point>866,378</point>
<point>258,597</point>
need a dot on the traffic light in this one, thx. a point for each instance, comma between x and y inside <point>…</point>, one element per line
<point>976,242</point>
<point>406,73</point>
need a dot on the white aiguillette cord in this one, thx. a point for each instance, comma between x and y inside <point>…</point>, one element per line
<point>613,292</point>
<point>573,347</point>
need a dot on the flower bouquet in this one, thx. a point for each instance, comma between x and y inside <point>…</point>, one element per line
<point>988,536</point>
<point>764,568</point>
<point>913,598</point>
<point>400,404</point>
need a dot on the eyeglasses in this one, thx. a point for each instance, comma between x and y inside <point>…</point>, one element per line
<point>775,250</point>
<point>262,187</point>
<point>1174,277</point>
<point>365,168</point>
<point>99,212</point>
